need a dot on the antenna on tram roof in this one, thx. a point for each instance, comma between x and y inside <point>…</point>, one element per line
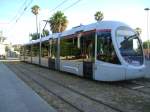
<point>78,26</point>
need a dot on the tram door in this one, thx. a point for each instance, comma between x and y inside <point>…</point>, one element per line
<point>88,51</point>
<point>52,53</point>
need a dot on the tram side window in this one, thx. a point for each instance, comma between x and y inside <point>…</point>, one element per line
<point>35,50</point>
<point>69,50</point>
<point>105,48</point>
<point>45,48</point>
<point>79,48</point>
<point>28,50</point>
<point>22,51</point>
<point>88,46</point>
<point>53,48</point>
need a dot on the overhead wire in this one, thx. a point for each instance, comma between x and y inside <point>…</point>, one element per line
<point>24,10</point>
<point>17,18</point>
<point>59,5</point>
<point>25,5</point>
<point>73,4</point>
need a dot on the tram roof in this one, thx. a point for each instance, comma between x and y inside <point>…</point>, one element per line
<point>94,26</point>
<point>98,25</point>
<point>56,35</point>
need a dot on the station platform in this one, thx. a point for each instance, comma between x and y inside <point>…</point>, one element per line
<point>16,96</point>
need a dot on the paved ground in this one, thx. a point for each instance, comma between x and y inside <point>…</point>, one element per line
<point>16,96</point>
<point>67,93</point>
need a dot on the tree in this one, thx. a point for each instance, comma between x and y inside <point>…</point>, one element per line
<point>58,22</point>
<point>45,33</point>
<point>145,44</point>
<point>35,10</point>
<point>35,36</point>
<point>138,30</point>
<point>99,16</point>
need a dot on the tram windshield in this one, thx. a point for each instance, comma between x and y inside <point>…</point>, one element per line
<point>129,46</point>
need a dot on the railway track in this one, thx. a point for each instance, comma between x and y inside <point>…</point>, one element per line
<point>30,70</point>
<point>93,106</point>
<point>75,91</point>
<point>145,82</point>
<point>59,104</point>
<point>135,86</point>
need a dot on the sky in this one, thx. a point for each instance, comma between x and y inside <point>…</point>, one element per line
<point>17,21</point>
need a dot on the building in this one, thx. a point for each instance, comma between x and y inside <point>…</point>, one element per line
<point>7,49</point>
<point>2,46</point>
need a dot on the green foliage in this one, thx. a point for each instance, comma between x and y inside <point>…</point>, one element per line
<point>45,33</point>
<point>138,30</point>
<point>35,50</point>
<point>99,16</point>
<point>145,44</point>
<point>35,36</point>
<point>35,9</point>
<point>66,46</point>
<point>58,22</point>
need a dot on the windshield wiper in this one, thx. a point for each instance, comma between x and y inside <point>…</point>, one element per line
<point>131,37</point>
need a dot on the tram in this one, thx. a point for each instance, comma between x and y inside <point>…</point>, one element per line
<point>104,51</point>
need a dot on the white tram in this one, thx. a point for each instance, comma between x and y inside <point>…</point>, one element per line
<point>105,51</point>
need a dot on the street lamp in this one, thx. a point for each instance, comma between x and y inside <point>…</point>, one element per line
<point>147,10</point>
<point>46,21</point>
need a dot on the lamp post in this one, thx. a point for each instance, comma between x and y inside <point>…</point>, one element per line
<point>46,21</point>
<point>147,10</point>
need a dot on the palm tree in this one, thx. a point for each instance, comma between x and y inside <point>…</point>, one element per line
<point>35,10</point>
<point>58,22</point>
<point>138,30</point>
<point>99,16</point>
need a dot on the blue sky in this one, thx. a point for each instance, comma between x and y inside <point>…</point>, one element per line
<point>128,11</point>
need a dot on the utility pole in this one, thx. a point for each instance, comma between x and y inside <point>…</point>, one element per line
<point>147,10</point>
